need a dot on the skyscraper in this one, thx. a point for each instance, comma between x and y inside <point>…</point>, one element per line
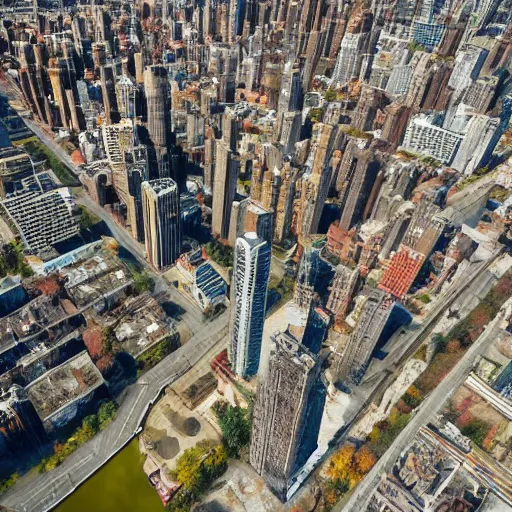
<point>250,280</point>
<point>316,328</point>
<point>362,341</point>
<point>356,181</point>
<point>224,187</point>
<point>156,87</point>
<point>162,229</point>
<point>287,413</point>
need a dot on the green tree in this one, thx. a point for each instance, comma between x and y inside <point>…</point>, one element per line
<point>236,428</point>
<point>8,482</point>
<point>12,260</point>
<point>106,414</point>
<point>330,95</point>
<point>142,282</point>
<point>197,467</point>
<point>109,338</point>
<point>477,431</point>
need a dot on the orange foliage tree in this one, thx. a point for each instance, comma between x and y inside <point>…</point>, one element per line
<point>348,465</point>
<point>93,340</point>
<point>364,459</point>
<point>48,285</point>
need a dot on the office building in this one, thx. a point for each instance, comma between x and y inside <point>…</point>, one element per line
<point>156,88</point>
<point>227,165</point>
<point>249,302</point>
<point>162,222</point>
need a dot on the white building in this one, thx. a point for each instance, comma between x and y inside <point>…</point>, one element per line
<point>466,67</point>
<point>482,135</point>
<point>249,302</point>
<point>426,138</point>
<point>350,56</point>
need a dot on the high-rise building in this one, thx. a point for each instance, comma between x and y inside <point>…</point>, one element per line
<point>353,47</point>
<point>482,135</point>
<point>249,301</point>
<point>156,87</point>
<point>356,182</point>
<point>127,94</point>
<point>227,164</point>
<point>315,184</point>
<point>108,94</point>
<point>284,204</point>
<point>317,325</point>
<point>467,66</point>
<point>290,93</point>
<point>287,413</point>
<point>314,273</point>
<point>342,291</point>
<point>481,93</point>
<point>249,215</point>
<point>162,225</point>
<point>359,348</point>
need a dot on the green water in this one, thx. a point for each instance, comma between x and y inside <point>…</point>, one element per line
<point>119,486</point>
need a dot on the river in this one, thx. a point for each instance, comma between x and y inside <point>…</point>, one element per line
<point>119,486</point>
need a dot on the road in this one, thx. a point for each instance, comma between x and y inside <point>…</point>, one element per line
<point>431,406</point>
<point>49,489</point>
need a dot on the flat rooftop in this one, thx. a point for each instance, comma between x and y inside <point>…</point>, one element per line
<point>140,323</point>
<point>59,387</point>
<point>95,277</point>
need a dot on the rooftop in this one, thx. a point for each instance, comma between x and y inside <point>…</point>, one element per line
<point>59,387</point>
<point>161,186</point>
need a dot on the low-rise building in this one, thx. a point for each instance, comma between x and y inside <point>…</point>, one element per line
<point>198,278</point>
<point>66,391</point>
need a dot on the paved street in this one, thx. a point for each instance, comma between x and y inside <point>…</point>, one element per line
<point>431,406</point>
<point>48,489</point>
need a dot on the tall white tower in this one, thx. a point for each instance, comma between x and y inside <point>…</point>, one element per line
<point>250,280</point>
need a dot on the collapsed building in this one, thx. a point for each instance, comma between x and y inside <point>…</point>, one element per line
<point>67,392</point>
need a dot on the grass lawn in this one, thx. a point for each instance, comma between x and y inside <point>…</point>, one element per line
<point>39,151</point>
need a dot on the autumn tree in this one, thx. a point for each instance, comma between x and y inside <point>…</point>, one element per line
<point>453,346</point>
<point>365,459</point>
<point>343,467</point>
<point>93,340</point>
<point>48,286</point>
<point>199,466</point>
